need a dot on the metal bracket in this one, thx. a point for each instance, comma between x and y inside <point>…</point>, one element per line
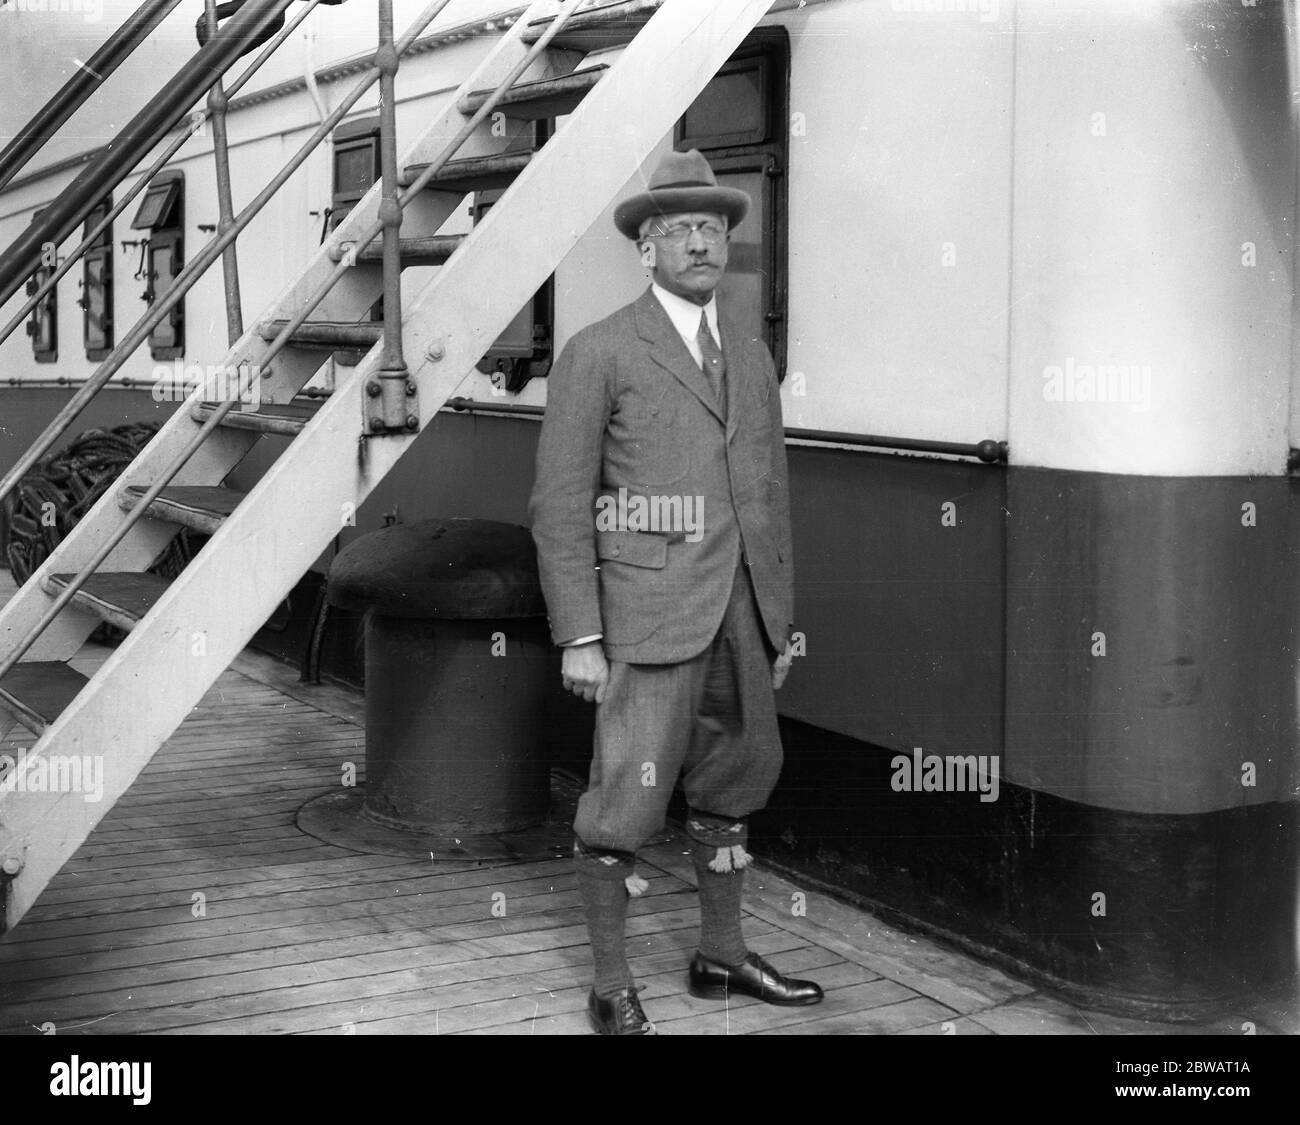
<point>10,866</point>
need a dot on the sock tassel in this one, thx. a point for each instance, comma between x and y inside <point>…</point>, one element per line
<point>733,858</point>
<point>636,886</point>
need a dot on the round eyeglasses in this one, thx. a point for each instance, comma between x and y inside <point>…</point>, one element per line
<point>678,233</point>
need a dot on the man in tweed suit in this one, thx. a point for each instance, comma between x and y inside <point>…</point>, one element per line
<point>661,518</point>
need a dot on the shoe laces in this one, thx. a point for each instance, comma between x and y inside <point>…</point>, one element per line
<point>629,1008</point>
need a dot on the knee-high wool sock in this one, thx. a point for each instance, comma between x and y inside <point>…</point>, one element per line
<point>604,895</point>
<point>720,895</point>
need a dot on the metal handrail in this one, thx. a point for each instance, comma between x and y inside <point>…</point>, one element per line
<point>134,140</point>
<point>989,451</point>
<point>113,363</point>
<point>85,80</point>
<point>141,505</point>
<point>196,122</point>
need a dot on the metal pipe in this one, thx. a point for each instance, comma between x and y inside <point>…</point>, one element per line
<point>398,408</point>
<point>136,138</point>
<point>217,103</point>
<point>462,405</point>
<point>84,81</point>
<point>989,451</point>
<point>167,153</point>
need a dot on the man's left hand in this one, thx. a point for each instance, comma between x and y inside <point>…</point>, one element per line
<point>781,667</point>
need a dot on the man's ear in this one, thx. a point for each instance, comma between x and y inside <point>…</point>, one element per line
<point>648,254</point>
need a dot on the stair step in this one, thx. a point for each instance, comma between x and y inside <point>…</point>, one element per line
<point>431,251</point>
<point>473,173</point>
<point>548,97</point>
<point>36,693</point>
<point>327,334</point>
<point>287,419</point>
<point>201,507</point>
<point>121,599</point>
<point>599,28</point>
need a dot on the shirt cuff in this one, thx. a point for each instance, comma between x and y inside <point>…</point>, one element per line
<point>581,640</point>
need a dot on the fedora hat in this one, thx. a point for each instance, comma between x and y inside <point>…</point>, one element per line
<point>682,183</point>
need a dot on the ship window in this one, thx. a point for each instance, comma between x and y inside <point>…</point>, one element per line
<point>731,109</point>
<point>163,214</point>
<point>156,208</point>
<point>97,285</point>
<point>739,122</point>
<point>356,165</point>
<point>356,170</point>
<point>43,324</point>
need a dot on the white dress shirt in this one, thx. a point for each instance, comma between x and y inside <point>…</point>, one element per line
<point>685,316</point>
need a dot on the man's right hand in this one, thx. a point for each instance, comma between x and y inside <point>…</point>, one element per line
<point>585,671</point>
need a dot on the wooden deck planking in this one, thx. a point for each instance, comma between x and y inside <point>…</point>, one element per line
<point>62,965</point>
<point>472,983</point>
<point>301,936</point>
<point>564,992</point>
<point>304,906</point>
<point>231,994</point>
<point>419,918</point>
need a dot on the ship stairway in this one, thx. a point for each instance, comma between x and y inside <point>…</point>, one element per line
<point>655,56</point>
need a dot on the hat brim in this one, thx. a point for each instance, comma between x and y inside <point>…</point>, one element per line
<point>631,213</point>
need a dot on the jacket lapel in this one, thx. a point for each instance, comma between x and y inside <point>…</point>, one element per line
<point>670,352</point>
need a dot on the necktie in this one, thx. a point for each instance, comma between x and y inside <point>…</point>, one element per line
<point>715,366</point>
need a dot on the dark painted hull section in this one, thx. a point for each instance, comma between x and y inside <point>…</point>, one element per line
<point>1200,911</point>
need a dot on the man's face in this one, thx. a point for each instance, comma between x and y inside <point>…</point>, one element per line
<point>686,261</point>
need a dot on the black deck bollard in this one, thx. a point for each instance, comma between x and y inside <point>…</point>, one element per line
<point>456,666</point>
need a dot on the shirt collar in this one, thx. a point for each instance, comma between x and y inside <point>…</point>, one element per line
<point>685,314</point>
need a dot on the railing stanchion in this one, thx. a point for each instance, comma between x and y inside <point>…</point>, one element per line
<point>217,102</point>
<point>398,411</point>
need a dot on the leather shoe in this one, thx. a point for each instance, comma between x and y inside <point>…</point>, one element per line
<point>712,980</point>
<point>619,1014</point>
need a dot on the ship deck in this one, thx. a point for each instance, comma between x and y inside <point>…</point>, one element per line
<point>198,906</point>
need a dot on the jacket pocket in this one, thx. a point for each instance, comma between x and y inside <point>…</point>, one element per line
<point>635,548</point>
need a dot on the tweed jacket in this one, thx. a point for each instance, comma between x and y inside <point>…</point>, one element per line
<point>646,498</point>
